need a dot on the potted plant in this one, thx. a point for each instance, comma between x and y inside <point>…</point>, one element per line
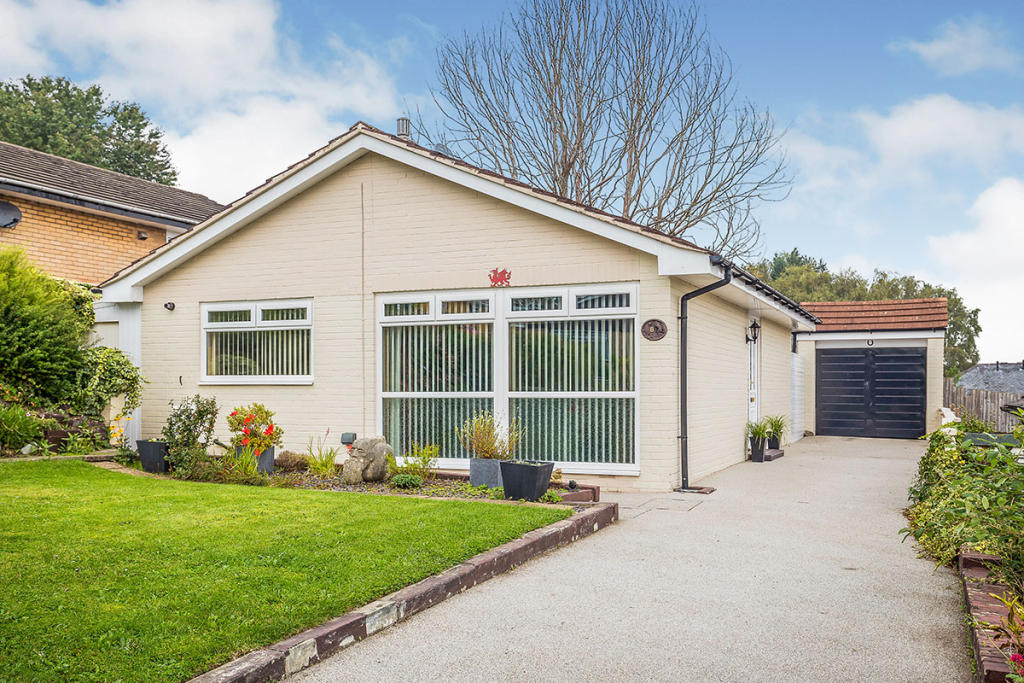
<point>253,427</point>
<point>777,425</point>
<point>480,436</point>
<point>525,479</point>
<point>153,454</point>
<point>758,433</point>
<point>189,428</point>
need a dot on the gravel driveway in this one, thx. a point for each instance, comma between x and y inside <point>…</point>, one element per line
<point>791,570</point>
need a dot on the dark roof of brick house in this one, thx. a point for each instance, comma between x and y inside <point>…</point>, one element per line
<point>30,172</point>
<point>1005,377</point>
<point>857,316</point>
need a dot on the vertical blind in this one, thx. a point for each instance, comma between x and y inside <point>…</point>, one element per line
<point>571,355</point>
<point>597,430</point>
<point>438,358</point>
<point>429,421</point>
<point>258,352</point>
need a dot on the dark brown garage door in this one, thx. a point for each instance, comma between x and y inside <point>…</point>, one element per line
<point>876,392</point>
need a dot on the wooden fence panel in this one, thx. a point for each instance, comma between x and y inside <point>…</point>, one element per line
<point>981,404</point>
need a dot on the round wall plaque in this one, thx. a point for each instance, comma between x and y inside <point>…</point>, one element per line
<point>654,329</point>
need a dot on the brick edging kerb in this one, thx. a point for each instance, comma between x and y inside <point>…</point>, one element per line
<point>990,662</point>
<point>293,654</point>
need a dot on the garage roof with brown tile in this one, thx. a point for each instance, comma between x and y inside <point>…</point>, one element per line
<point>901,314</point>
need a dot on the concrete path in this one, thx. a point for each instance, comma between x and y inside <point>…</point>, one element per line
<point>792,571</point>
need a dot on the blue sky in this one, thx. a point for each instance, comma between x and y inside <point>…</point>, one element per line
<point>904,120</point>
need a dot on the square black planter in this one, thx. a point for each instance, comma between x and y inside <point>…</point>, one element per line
<point>153,455</point>
<point>266,461</point>
<point>756,449</point>
<point>485,472</point>
<point>526,480</point>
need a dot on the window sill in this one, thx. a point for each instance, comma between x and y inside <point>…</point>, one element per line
<point>621,470</point>
<point>256,381</point>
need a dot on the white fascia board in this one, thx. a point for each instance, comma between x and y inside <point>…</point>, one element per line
<point>801,323</point>
<point>671,259</point>
<point>869,334</point>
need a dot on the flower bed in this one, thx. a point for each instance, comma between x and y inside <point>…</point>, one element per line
<point>968,505</point>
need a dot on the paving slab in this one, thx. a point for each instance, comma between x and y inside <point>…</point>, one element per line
<point>791,570</point>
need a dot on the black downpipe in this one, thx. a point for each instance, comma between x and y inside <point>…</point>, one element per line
<point>684,453</point>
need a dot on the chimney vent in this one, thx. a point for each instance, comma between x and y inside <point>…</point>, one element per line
<point>403,127</point>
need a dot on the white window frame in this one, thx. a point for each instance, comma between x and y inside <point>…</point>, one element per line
<point>501,315</point>
<point>603,290</point>
<point>255,323</point>
<point>536,293</point>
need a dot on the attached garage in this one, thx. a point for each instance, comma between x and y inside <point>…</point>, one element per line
<point>874,368</point>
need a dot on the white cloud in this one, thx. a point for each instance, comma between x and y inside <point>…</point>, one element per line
<point>963,47</point>
<point>984,263</point>
<point>237,99</point>
<point>941,128</point>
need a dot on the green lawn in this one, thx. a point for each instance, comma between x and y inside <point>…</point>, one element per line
<point>108,576</point>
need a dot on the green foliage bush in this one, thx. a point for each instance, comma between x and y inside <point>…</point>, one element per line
<point>107,373</point>
<point>18,427</point>
<point>321,458</point>
<point>189,428</point>
<point>44,325</point>
<point>253,425</point>
<point>420,461</point>
<point>966,495</point>
<point>406,481</point>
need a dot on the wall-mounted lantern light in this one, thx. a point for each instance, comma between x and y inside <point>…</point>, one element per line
<point>754,329</point>
<point>169,305</point>
<point>348,438</point>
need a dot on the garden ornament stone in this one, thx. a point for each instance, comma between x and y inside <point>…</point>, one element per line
<point>370,457</point>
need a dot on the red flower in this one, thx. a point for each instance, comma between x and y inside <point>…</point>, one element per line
<point>245,442</point>
<point>269,430</point>
<point>245,430</point>
<point>234,413</point>
<point>257,452</point>
<point>1017,658</point>
<point>247,420</point>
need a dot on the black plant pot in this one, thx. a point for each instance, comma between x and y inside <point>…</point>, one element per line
<point>485,472</point>
<point>756,449</point>
<point>527,480</point>
<point>153,455</point>
<point>773,443</point>
<point>266,461</point>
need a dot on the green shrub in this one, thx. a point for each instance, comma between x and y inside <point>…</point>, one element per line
<point>550,497</point>
<point>406,481</point>
<point>78,444</point>
<point>189,428</point>
<point>44,325</point>
<point>482,437</point>
<point>321,458</point>
<point>967,495</point>
<point>497,493</point>
<point>419,461</point>
<point>107,373</point>
<point>19,427</point>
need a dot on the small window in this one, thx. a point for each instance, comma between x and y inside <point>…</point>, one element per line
<point>267,342</point>
<point>234,316</point>
<point>418,308</point>
<point>536,303</point>
<point>589,302</point>
<point>283,314</point>
<point>469,306</point>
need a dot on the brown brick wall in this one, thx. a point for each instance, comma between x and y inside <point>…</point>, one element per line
<point>76,245</point>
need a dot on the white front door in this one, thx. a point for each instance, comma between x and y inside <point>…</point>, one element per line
<point>754,380</point>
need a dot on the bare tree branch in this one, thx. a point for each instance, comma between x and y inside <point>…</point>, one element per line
<point>625,105</point>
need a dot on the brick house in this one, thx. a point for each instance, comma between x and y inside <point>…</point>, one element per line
<point>85,223</point>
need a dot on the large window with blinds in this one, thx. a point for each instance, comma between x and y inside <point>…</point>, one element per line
<point>258,342</point>
<point>561,360</point>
